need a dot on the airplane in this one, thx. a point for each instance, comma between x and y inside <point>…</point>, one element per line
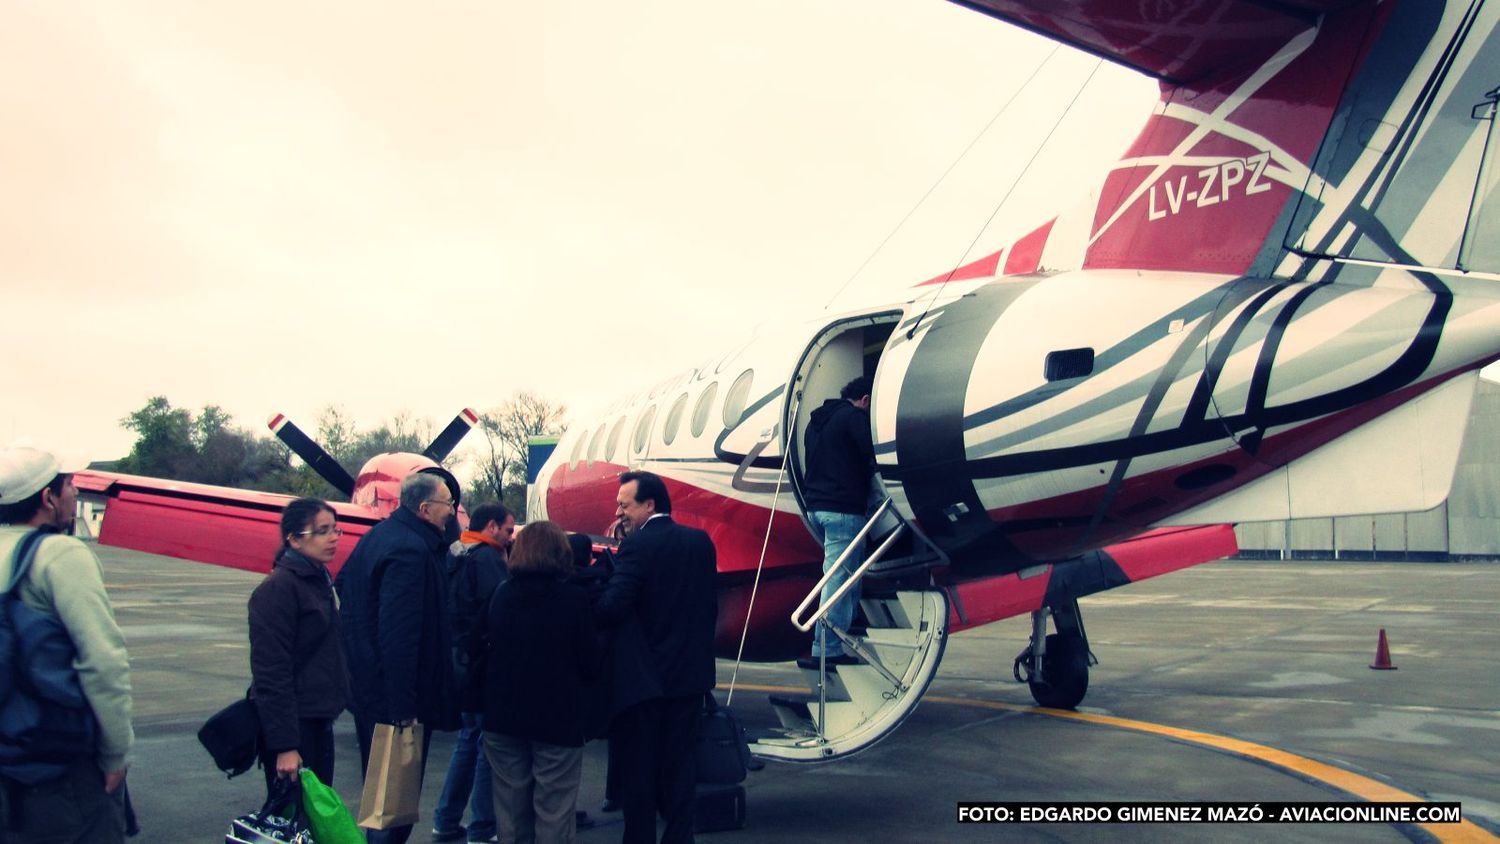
<point>241,528</point>
<point>1275,305</point>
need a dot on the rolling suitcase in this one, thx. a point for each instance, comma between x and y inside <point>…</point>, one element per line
<point>717,808</point>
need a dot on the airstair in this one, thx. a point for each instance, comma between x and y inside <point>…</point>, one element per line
<point>853,706</point>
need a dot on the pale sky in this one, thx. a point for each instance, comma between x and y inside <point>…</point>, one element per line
<point>278,206</point>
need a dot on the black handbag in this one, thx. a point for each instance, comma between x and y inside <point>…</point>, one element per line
<point>232,736</point>
<point>723,754</point>
<point>270,825</point>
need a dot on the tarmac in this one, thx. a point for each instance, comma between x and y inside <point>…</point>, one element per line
<point>1243,681</point>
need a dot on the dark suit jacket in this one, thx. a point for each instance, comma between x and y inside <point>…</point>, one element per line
<point>664,579</point>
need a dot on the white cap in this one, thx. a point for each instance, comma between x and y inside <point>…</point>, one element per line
<point>25,470</point>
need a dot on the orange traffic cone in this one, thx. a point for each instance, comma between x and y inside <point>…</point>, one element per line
<point>1382,655</point>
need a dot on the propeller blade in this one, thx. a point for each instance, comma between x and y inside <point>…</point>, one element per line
<point>450,436</point>
<point>321,461</point>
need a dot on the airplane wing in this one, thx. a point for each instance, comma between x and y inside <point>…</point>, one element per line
<point>210,524</point>
<point>1177,41</point>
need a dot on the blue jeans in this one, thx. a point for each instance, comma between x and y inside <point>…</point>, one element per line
<point>837,530</point>
<point>469,782</point>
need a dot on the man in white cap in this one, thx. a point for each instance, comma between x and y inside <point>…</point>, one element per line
<point>53,798</point>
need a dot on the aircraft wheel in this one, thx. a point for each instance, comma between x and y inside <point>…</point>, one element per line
<point>1066,667</point>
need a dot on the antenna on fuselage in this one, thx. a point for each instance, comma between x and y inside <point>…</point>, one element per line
<point>1021,174</point>
<point>943,176</point>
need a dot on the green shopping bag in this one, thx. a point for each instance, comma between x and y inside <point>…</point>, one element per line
<point>330,820</point>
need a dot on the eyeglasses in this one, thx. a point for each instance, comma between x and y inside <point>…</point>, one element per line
<point>322,531</point>
<point>447,502</point>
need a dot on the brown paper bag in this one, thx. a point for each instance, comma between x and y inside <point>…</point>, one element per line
<point>393,780</point>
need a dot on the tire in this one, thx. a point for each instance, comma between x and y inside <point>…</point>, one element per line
<point>1066,667</point>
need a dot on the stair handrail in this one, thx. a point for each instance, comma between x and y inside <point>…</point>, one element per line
<point>857,542</point>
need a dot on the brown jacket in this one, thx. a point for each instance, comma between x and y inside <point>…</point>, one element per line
<point>297,666</point>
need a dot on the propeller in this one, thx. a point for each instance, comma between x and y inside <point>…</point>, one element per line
<point>321,461</point>
<point>444,443</point>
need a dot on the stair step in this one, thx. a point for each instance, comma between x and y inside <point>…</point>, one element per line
<point>794,713</point>
<point>832,682</point>
<point>885,612</point>
<point>882,639</point>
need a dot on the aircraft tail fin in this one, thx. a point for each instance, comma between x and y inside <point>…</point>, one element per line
<point>1324,132</point>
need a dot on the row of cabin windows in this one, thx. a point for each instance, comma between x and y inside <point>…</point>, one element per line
<point>1059,365</point>
<point>733,410</point>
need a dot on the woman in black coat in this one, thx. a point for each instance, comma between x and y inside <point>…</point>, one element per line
<point>298,676</point>
<point>541,655</point>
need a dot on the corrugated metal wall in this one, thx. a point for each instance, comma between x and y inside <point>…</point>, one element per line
<point>1466,527</point>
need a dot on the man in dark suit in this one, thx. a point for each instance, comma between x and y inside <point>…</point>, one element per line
<point>395,622</point>
<point>664,580</point>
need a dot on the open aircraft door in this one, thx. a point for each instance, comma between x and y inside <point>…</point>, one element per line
<point>905,626</point>
<point>840,352</point>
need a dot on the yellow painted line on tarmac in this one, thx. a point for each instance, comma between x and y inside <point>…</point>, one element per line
<point>1369,790</point>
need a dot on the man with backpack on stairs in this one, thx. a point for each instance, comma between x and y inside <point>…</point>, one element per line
<point>840,457</point>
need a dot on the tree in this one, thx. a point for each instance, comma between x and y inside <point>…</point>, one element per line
<point>164,440</point>
<point>401,433</point>
<point>507,431</point>
<point>336,434</point>
<point>207,448</point>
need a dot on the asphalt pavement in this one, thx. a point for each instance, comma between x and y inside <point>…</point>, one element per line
<point>1242,681</point>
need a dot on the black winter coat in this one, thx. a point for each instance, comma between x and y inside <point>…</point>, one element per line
<point>296,653</point>
<point>542,655</point>
<point>664,578</point>
<point>473,572</point>
<point>839,457</point>
<point>395,624</point>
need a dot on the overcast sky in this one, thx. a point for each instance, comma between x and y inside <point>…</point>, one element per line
<point>280,206</point>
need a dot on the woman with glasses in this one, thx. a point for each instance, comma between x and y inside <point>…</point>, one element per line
<point>297,670</point>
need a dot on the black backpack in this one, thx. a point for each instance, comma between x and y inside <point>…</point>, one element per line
<point>466,615</point>
<point>46,723</point>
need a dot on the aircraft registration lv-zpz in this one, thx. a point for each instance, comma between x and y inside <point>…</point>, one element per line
<point>1275,305</point>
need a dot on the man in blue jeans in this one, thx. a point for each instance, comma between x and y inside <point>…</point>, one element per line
<point>475,567</point>
<point>840,458</point>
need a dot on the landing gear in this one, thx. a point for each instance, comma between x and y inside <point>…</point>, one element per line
<point>1056,665</point>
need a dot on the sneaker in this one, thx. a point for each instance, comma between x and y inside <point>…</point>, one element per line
<point>581,820</point>
<point>493,839</point>
<point>455,834</point>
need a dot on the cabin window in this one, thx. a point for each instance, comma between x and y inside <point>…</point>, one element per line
<point>1069,363</point>
<point>594,444</point>
<point>577,450</point>
<point>643,429</point>
<point>736,398</point>
<point>700,410</point>
<point>673,420</point>
<point>614,439</point>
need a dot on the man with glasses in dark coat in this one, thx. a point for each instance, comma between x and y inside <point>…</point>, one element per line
<point>395,623</point>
